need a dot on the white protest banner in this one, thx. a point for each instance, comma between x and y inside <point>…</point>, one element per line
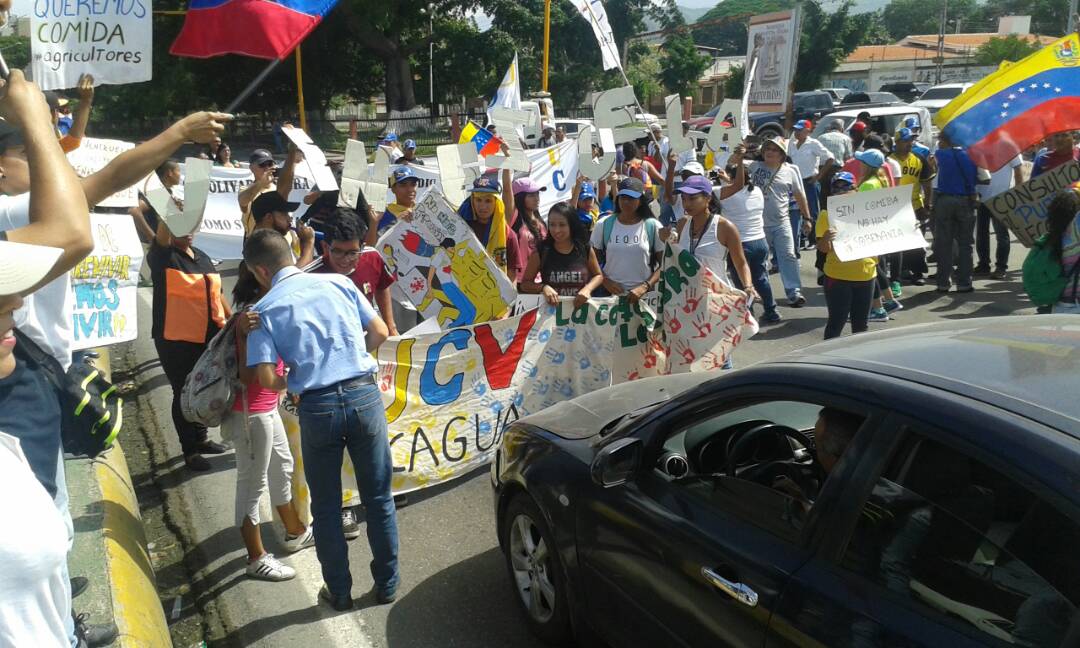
<point>871,223</point>
<point>773,41</point>
<point>314,157</point>
<point>458,167</point>
<point>450,395</point>
<point>556,169</point>
<point>441,267</point>
<point>92,156</point>
<point>594,12</point>
<point>104,285</point>
<point>222,233</point>
<point>1023,208</point>
<point>110,40</point>
<point>615,109</point>
<point>511,121</point>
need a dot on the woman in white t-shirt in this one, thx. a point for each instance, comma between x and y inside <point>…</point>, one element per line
<point>628,244</point>
<point>746,209</point>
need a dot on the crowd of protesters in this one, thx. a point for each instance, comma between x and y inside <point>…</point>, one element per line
<point>310,307</point>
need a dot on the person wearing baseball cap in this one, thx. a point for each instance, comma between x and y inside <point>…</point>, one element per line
<point>271,211</point>
<point>267,177</point>
<point>628,243</point>
<point>814,161</point>
<point>404,184</point>
<point>914,171</point>
<point>875,175</point>
<point>849,285</point>
<point>72,139</point>
<point>409,156</point>
<point>585,200</point>
<point>780,182</point>
<point>526,221</point>
<point>484,210</point>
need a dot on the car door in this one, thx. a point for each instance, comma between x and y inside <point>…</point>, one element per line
<point>954,543</point>
<point>697,561</point>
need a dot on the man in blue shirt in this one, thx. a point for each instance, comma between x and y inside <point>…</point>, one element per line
<point>320,326</point>
<point>954,215</point>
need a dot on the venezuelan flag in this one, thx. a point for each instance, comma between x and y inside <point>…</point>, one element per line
<point>1018,106</point>
<point>269,29</point>
<point>485,141</point>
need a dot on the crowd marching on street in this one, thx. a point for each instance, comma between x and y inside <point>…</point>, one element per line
<point>315,298</point>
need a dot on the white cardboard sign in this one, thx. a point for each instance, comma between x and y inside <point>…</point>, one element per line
<point>871,223</point>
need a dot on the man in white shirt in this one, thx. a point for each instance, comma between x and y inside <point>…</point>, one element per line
<point>1002,180</point>
<point>814,160</point>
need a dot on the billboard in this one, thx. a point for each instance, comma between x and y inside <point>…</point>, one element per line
<point>773,40</point>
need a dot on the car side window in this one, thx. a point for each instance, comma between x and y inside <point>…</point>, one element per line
<point>969,545</point>
<point>753,462</point>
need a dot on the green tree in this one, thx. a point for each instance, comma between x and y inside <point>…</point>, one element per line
<point>644,73</point>
<point>905,18</point>
<point>826,40</point>
<point>16,51</point>
<point>1008,48</point>
<point>681,65</point>
<point>1050,17</point>
<point>874,30</point>
<point>730,23</point>
<point>736,81</point>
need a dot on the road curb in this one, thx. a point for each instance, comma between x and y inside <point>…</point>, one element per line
<point>136,607</point>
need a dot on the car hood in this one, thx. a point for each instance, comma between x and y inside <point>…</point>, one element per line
<point>586,415</point>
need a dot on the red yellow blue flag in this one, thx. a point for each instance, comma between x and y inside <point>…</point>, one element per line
<point>486,142</point>
<point>269,29</point>
<point>1018,106</point>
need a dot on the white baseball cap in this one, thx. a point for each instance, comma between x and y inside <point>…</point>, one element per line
<point>22,266</point>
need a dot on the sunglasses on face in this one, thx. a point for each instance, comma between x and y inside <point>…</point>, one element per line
<point>266,165</point>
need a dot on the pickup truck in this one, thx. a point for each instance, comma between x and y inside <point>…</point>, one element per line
<point>808,105</point>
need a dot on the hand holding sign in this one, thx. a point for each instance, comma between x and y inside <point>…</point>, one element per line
<point>871,223</point>
<point>313,155</point>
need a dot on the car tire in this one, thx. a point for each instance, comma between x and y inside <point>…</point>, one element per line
<point>535,571</point>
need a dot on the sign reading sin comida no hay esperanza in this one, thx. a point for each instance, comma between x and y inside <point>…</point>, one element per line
<point>109,39</point>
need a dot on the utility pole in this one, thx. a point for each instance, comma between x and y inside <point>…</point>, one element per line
<point>1072,17</point>
<point>941,40</point>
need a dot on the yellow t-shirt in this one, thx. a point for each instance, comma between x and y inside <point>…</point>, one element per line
<point>911,168</point>
<point>857,270</point>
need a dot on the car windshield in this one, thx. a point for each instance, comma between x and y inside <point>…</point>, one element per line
<point>712,112</point>
<point>941,93</point>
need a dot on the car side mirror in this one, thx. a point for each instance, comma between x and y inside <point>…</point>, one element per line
<point>617,462</point>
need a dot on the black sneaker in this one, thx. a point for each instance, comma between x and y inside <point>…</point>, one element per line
<point>78,585</point>
<point>95,635</point>
<point>211,448</point>
<point>981,270</point>
<point>340,603</point>
<point>383,597</point>
<point>197,462</point>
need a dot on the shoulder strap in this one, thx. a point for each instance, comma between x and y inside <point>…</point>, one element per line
<point>609,227</point>
<point>53,369</point>
<point>650,231</point>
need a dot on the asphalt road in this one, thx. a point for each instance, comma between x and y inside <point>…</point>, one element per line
<point>454,590</point>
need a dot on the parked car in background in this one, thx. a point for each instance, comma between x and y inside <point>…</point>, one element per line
<point>937,97</point>
<point>810,105</point>
<point>878,98</point>
<point>914,487</point>
<point>704,122</point>
<point>837,94</point>
<point>883,119</point>
<point>922,87</point>
<point>907,91</point>
<point>572,126</point>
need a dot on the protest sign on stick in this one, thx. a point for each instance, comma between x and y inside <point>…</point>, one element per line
<point>183,215</point>
<point>314,157</point>
<point>104,285</point>
<point>92,156</point>
<point>871,223</point>
<point>673,111</point>
<point>598,169</point>
<point>1023,209</point>
<point>110,40</point>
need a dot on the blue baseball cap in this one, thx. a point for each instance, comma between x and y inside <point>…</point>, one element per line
<point>912,123</point>
<point>841,178</point>
<point>390,137</point>
<point>631,187</point>
<point>403,173</point>
<point>485,185</point>
<point>873,157</point>
<point>587,191</point>
<point>410,144</point>
<point>905,135</point>
<point>695,185</point>
<point>803,124</point>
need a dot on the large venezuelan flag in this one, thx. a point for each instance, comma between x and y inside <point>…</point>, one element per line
<point>1018,106</point>
<point>269,29</point>
<point>485,141</point>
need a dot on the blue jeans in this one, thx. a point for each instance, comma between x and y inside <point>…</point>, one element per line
<point>349,418</point>
<point>795,218</point>
<point>812,202</point>
<point>778,236</point>
<point>757,257</point>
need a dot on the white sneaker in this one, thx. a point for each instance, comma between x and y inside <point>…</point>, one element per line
<point>269,568</point>
<point>349,525</point>
<point>302,541</point>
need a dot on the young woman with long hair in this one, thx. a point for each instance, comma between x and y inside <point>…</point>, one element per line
<point>566,264</point>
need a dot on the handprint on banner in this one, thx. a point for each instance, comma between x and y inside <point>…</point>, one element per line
<point>386,377</point>
<point>674,325</point>
<point>541,388</point>
<point>569,333</point>
<point>555,357</point>
<point>703,326</point>
<point>478,385</point>
<point>733,334</point>
<point>720,308</point>
<point>713,360</point>
<point>650,360</point>
<point>582,360</point>
<point>692,301</point>
<point>544,336</point>
<point>683,349</point>
<point>563,387</point>
<point>496,408</point>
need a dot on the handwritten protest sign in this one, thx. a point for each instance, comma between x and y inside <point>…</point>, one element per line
<point>110,40</point>
<point>442,268</point>
<point>870,223</point>
<point>450,395</point>
<point>1023,208</point>
<point>104,285</point>
<point>92,156</point>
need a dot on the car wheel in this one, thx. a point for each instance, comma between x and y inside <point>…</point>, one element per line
<point>535,571</point>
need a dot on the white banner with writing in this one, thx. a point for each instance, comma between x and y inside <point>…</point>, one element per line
<point>110,40</point>
<point>92,156</point>
<point>104,285</point>
<point>871,223</point>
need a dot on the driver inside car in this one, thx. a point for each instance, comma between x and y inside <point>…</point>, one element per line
<point>833,433</point>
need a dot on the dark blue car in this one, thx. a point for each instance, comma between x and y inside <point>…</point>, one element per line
<point>918,487</point>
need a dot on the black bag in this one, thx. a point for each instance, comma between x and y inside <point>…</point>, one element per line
<point>91,408</point>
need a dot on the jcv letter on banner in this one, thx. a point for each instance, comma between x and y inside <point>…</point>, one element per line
<point>871,223</point>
